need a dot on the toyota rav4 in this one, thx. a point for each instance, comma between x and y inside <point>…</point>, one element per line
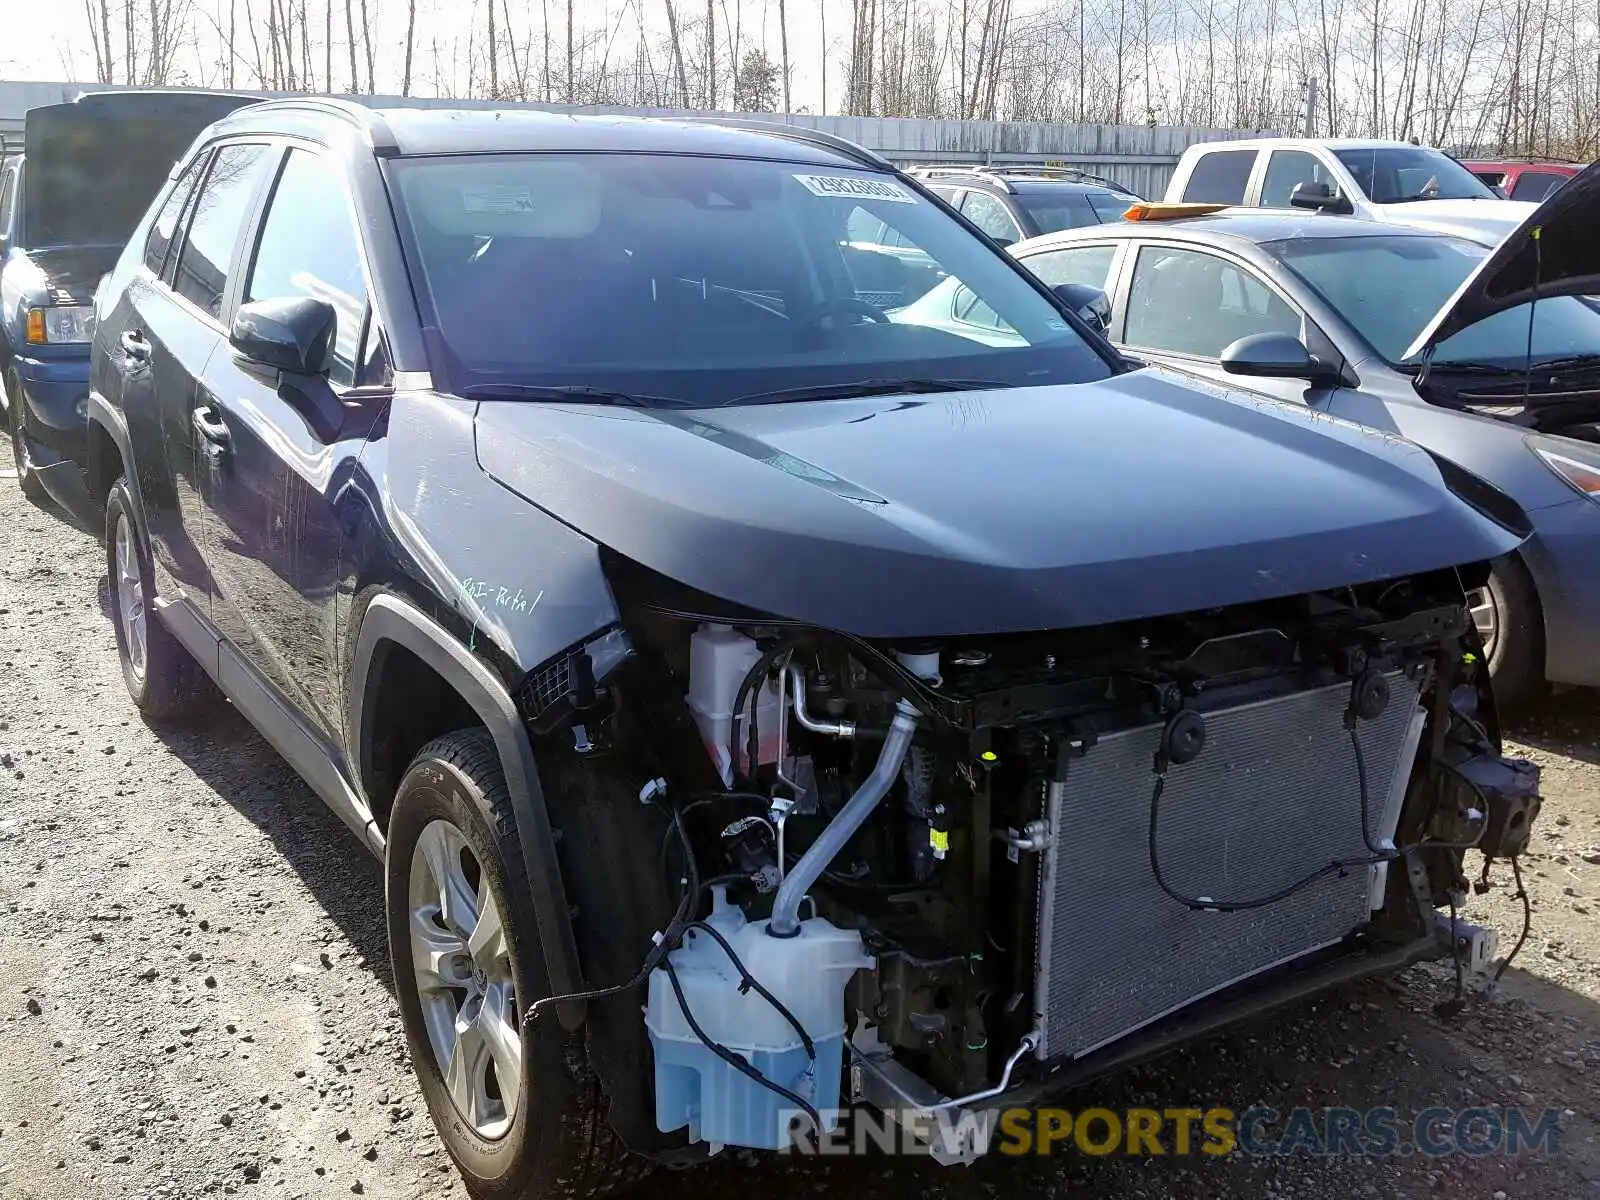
<point>763,703</point>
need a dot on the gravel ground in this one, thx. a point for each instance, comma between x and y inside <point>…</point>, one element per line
<point>195,995</point>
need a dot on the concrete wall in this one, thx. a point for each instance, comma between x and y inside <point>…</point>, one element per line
<point>1138,156</point>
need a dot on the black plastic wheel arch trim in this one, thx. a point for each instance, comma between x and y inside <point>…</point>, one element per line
<point>390,619</point>
<point>110,418</point>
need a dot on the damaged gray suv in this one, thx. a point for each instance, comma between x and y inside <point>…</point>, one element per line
<point>763,703</point>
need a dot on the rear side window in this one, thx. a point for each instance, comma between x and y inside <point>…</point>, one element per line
<point>309,247</point>
<point>1288,168</point>
<point>1109,206</point>
<point>989,215</point>
<point>1536,185</point>
<point>1186,302</point>
<point>164,230</point>
<point>219,214</point>
<point>1080,264</point>
<point>968,308</point>
<point>1220,177</point>
<point>1057,211</point>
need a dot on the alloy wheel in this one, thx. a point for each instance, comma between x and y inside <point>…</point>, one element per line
<point>1485,612</point>
<point>464,978</point>
<point>130,597</point>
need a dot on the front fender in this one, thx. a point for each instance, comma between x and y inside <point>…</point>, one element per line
<point>22,286</point>
<point>390,621</point>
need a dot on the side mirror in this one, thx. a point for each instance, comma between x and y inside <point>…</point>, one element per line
<point>1319,197</point>
<point>293,334</point>
<point>1091,304</point>
<point>1277,356</point>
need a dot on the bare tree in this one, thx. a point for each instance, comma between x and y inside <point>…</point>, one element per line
<point>822,30</point>
<point>350,34</point>
<point>494,55</point>
<point>100,38</point>
<point>677,53</point>
<point>411,39</point>
<point>366,33</point>
<point>1490,76</point>
<point>711,54</point>
<point>783,42</point>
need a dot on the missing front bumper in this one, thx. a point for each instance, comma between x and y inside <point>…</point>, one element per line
<point>957,1134</point>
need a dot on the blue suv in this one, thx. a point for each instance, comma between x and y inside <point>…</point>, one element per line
<point>67,205</point>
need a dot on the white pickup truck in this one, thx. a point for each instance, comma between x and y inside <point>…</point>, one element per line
<point>1378,180</point>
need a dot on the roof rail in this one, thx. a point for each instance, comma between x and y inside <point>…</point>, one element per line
<point>1001,174</point>
<point>796,133</point>
<point>946,172</point>
<point>1072,173</point>
<point>364,117</point>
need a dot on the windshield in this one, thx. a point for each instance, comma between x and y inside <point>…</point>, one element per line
<point>1073,210</point>
<point>1389,288</point>
<point>704,281</point>
<point>1397,174</point>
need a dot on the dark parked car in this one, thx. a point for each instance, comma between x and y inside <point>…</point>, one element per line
<point>688,636</point>
<point>1525,178</point>
<point>1013,203</point>
<point>67,204</point>
<point>1355,300</point>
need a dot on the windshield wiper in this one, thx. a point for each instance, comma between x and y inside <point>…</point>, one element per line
<point>1570,362</point>
<point>868,387</point>
<point>569,391</point>
<point>1477,368</point>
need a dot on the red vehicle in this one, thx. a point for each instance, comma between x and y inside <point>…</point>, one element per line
<point>1524,178</point>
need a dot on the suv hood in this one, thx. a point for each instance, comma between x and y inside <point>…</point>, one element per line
<point>1554,251</point>
<point>1483,221</point>
<point>991,512</point>
<point>93,166</point>
<point>65,275</point>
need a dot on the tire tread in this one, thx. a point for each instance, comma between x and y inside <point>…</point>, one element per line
<point>176,687</point>
<point>1517,666</point>
<point>600,1164</point>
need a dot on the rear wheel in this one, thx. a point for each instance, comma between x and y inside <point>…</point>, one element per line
<point>163,680</point>
<point>1510,622</point>
<point>516,1104</point>
<point>27,476</point>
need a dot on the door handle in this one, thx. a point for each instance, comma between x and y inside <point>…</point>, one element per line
<point>135,347</point>
<point>211,428</point>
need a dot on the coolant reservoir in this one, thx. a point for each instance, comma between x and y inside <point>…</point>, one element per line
<point>719,659</point>
<point>807,973</point>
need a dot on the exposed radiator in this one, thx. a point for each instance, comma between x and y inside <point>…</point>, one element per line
<point>1273,796</point>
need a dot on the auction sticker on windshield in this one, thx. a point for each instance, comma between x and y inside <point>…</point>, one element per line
<point>856,189</point>
<point>498,201</point>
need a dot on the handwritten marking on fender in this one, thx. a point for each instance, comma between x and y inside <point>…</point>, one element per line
<point>490,595</point>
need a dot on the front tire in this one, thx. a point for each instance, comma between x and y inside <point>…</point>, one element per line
<point>1511,622</point>
<point>517,1105</point>
<point>163,679</point>
<point>16,404</point>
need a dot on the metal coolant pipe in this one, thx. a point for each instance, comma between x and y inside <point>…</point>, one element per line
<point>786,909</point>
